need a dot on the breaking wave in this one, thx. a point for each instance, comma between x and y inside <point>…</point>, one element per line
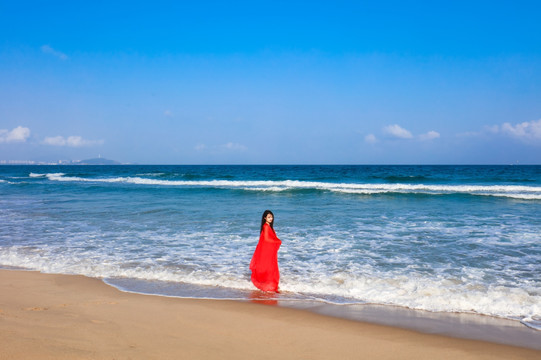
<point>508,191</point>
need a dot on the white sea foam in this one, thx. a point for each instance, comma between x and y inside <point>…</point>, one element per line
<point>416,292</point>
<point>421,292</point>
<point>532,321</point>
<point>34,175</point>
<point>510,191</point>
<point>150,174</point>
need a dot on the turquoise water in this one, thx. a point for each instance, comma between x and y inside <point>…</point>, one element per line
<point>437,238</point>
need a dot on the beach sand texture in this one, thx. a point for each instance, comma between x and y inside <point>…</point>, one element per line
<point>74,317</point>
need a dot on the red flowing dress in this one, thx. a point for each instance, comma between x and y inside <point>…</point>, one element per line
<point>264,264</point>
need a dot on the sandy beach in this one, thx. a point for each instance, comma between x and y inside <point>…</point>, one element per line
<point>74,317</point>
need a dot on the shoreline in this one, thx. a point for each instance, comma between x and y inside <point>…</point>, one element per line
<point>467,326</point>
<point>47,316</point>
<point>459,325</point>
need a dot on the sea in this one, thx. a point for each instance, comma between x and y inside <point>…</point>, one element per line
<point>448,239</point>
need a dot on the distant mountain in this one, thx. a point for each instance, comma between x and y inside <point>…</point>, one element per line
<point>97,161</point>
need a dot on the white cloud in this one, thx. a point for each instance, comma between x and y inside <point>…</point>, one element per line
<point>71,141</point>
<point>527,131</point>
<point>234,146</point>
<point>200,147</point>
<point>55,141</point>
<point>371,139</point>
<point>19,134</point>
<point>429,135</point>
<point>47,49</point>
<point>219,149</point>
<point>397,131</point>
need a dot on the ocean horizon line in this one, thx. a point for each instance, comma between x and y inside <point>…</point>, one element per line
<point>31,163</point>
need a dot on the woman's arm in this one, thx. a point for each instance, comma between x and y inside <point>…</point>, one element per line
<point>269,234</point>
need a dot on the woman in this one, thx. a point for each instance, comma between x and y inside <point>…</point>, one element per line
<point>264,264</point>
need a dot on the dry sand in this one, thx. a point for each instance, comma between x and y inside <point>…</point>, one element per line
<point>75,317</point>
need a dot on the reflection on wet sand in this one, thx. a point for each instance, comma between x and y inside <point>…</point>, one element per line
<point>262,297</point>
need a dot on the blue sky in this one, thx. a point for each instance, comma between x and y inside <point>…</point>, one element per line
<point>387,82</point>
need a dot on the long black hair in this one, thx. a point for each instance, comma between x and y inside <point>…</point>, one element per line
<point>263,221</point>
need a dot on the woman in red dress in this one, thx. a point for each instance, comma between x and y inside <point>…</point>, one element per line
<point>264,264</point>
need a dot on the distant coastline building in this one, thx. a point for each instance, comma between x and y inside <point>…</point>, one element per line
<point>95,161</point>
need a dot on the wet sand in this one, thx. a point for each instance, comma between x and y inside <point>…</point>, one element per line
<point>74,317</point>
